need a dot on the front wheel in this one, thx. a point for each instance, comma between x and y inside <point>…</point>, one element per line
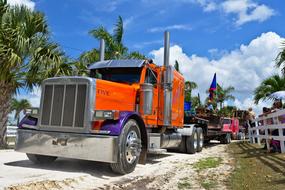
<point>129,148</point>
<point>41,159</point>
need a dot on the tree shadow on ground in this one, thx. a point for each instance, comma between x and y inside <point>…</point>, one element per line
<point>275,162</point>
<point>271,160</point>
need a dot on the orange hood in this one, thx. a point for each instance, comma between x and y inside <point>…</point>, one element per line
<point>114,96</point>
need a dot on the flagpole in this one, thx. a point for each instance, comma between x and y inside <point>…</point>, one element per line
<point>217,90</point>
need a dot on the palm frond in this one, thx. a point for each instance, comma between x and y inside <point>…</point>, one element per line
<point>268,86</point>
<point>136,55</point>
<point>118,31</point>
<point>102,33</point>
<point>280,59</point>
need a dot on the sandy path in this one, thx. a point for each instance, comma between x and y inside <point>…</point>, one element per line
<point>162,171</point>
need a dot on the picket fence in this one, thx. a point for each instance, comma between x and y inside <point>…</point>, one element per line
<point>265,124</point>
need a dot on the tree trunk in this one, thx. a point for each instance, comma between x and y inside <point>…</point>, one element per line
<point>6,91</point>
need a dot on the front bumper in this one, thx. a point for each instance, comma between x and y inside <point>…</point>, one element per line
<point>101,148</point>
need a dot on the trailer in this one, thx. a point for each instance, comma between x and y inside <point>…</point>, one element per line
<point>214,127</point>
<point>124,109</point>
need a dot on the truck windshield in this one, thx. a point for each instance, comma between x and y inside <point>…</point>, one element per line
<point>122,75</point>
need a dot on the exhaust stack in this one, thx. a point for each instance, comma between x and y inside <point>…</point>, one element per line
<point>167,84</point>
<point>102,50</point>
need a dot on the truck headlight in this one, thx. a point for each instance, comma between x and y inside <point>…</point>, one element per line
<point>106,114</point>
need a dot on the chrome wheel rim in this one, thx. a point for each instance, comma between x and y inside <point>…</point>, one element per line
<point>201,143</point>
<point>195,140</point>
<point>133,147</point>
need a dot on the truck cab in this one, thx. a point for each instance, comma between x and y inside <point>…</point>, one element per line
<point>123,109</point>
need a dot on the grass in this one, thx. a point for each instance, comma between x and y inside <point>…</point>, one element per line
<point>210,162</point>
<point>204,164</point>
<point>184,183</point>
<point>209,184</point>
<point>255,169</point>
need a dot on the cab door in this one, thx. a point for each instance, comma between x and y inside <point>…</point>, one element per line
<point>151,77</point>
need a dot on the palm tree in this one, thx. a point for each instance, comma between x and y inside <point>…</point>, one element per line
<point>224,94</point>
<point>196,101</point>
<point>189,86</point>
<point>115,49</point>
<point>27,56</point>
<point>227,111</point>
<point>18,106</point>
<point>268,86</point>
<point>280,60</point>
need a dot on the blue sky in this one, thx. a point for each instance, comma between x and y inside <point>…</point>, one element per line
<point>196,31</point>
<point>238,39</point>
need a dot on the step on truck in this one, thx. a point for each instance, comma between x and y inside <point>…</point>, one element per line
<point>116,115</point>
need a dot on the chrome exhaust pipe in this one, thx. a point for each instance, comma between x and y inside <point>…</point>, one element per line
<point>167,83</point>
<point>166,49</point>
<point>102,50</point>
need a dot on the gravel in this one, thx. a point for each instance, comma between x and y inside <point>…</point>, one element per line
<point>162,171</point>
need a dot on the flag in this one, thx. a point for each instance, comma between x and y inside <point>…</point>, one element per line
<point>213,87</point>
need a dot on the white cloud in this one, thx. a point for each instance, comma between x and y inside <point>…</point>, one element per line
<point>128,21</point>
<point>244,10</point>
<point>171,27</point>
<point>30,4</point>
<point>111,6</point>
<point>247,11</point>
<point>147,43</point>
<point>207,5</point>
<point>216,53</point>
<point>106,5</point>
<point>244,68</point>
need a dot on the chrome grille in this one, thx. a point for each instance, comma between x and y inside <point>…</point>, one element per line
<point>63,105</point>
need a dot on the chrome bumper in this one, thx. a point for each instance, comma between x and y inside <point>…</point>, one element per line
<point>69,145</point>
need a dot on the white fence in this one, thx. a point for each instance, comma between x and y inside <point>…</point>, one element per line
<point>265,124</point>
<point>11,135</point>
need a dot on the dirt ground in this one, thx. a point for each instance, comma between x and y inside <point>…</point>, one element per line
<point>162,171</point>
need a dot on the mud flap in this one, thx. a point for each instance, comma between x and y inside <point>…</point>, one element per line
<point>143,156</point>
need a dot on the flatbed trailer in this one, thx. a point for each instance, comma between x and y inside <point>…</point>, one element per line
<point>213,127</point>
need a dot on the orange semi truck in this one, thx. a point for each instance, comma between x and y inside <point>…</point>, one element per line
<point>116,115</point>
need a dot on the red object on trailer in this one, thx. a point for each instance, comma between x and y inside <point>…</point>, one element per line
<point>231,125</point>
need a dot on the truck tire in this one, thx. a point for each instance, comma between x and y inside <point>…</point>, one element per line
<point>226,139</point>
<point>182,146</point>
<point>41,159</point>
<point>192,142</point>
<point>129,148</point>
<point>200,139</point>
